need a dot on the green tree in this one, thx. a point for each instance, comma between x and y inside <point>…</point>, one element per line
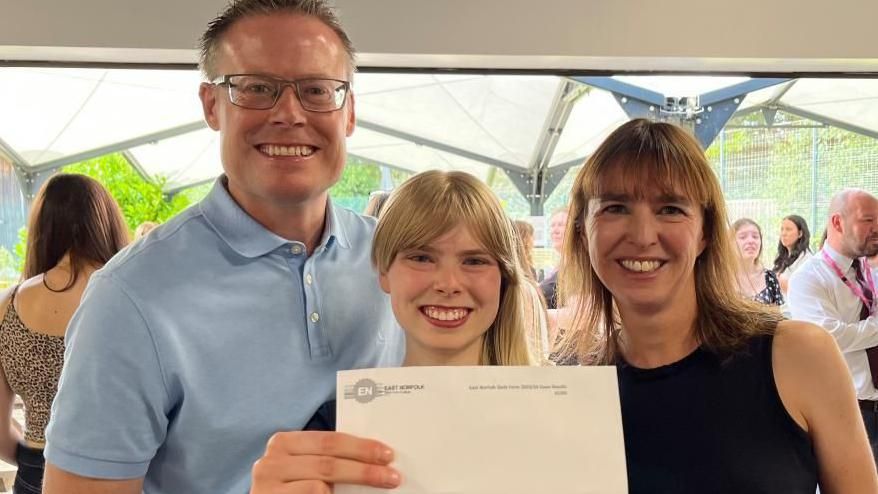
<point>353,188</point>
<point>139,199</point>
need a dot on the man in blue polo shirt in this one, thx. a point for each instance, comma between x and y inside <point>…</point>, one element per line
<point>228,323</point>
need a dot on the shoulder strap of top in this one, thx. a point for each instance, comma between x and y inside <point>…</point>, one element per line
<point>11,300</point>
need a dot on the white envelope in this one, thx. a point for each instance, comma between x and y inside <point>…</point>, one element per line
<point>490,430</point>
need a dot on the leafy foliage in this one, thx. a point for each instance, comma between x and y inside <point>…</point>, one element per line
<point>139,199</point>
<point>792,167</point>
<point>356,183</point>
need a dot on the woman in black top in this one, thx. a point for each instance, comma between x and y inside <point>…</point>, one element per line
<point>719,394</point>
<point>754,281</point>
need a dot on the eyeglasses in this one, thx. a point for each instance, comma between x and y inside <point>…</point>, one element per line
<point>261,92</point>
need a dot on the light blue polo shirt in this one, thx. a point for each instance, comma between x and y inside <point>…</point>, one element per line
<point>194,345</point>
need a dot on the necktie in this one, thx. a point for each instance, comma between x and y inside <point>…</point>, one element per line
<point>865,310</point>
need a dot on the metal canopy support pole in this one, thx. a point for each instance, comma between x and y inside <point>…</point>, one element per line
<point>29,180</point>
<point>547,179</point>
<point>555,175</point>
<point>722,161</point>
<point>386,178</point>
<point>538,168</point>
<point>121,146</point>
<point>826,120</point>
<point>719,106</point>
<point>705,114</point>
<point>636,102</point>
<point>525,182</point>
<point>814,174</point>
<point>135,163</point>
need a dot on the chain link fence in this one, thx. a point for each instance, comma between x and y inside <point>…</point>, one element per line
<point>793,167</point>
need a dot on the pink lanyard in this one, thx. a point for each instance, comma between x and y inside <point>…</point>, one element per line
<point>855,287</point>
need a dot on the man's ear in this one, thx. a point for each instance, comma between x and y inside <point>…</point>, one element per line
<point>384,283</point>
<point>351,124</point>
<point>207,94</point>
<point>835,222</point>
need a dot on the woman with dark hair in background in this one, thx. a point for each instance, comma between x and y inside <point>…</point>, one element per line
<point>793,248</point>
<point>75,227</point>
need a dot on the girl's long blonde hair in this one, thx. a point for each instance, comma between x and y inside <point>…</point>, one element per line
<point>650,157</point>
<point>431,204</point>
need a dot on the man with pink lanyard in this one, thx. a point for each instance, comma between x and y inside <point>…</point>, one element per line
<point>836,289</point>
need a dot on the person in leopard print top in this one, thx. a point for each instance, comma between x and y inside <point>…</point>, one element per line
<point>75,227</point>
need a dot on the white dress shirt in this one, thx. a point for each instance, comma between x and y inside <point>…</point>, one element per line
<point>803,257</point>
<point>818,295</point>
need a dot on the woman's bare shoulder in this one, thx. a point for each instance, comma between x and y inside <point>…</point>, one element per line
<point>808,369</point>
<point>802,339</point>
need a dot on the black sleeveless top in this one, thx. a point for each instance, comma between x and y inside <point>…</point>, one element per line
<point>709,426</point>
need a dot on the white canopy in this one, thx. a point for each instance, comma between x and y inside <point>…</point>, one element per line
<point>51,117</point>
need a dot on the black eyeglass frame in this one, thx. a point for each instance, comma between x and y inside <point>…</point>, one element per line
<point>225,80</point>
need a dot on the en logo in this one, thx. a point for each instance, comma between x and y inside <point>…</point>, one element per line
<point>365,390</point>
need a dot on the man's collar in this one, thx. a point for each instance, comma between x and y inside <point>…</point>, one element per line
<point>249,238</point>
<point>334,229</point>
<point>844,262</point>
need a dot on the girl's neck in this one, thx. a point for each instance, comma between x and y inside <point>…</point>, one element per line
<point>750,267</point>
<point>416,355</point>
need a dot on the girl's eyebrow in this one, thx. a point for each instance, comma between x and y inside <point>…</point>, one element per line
<point>431,250</point>
<point>475,252</point>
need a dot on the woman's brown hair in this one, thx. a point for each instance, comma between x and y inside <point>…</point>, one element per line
<point>525,232</point>
<point>655,157</point>
<point>73,214</point>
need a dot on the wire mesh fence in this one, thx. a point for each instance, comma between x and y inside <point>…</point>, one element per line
<point>794,167</point>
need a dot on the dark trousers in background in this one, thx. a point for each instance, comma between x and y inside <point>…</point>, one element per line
<point>869,409</point>
<point>29,478</point>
